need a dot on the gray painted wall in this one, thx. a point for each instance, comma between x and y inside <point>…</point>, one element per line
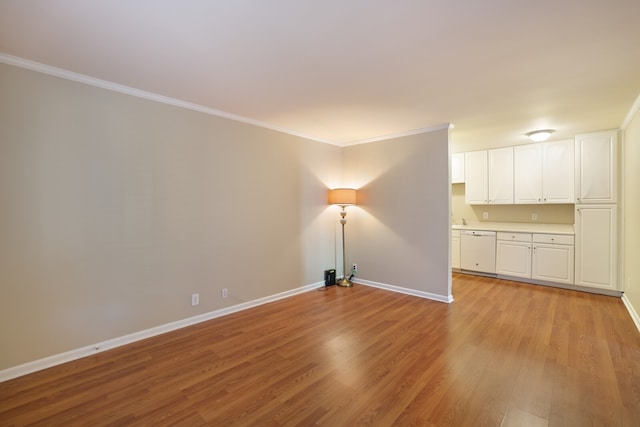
<point>399,232</point>
<point>115,209</point>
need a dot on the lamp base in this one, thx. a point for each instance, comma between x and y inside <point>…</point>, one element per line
<point>345,283</point>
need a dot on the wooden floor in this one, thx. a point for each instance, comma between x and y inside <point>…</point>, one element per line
<point>502,354</point>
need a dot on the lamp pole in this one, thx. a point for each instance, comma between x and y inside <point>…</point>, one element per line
<point>344,282</point>
<point>343,197</point>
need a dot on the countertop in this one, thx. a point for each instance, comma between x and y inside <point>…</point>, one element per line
<point>517,227</point>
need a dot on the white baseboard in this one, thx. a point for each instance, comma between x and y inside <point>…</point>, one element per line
<point>632,311</point>
<point>58,359</point>
<point>415,293</point>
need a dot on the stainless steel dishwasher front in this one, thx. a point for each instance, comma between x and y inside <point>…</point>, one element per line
<point>478,251</point>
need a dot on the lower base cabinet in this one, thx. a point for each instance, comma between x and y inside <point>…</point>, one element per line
<point>455,249</point>
<point>596,246</point>
<point>553,262</point>
<point>513,254</point>
<point>544,257</point>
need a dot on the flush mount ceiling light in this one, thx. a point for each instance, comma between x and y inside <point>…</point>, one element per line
<point>540,135</point>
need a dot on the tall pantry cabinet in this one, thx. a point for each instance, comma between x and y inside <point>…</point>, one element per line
<point>596,210</point>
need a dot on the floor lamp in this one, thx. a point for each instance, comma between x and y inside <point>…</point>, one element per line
<point>343,197</point>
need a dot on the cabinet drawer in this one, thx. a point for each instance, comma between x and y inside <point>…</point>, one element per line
<point>558,239</point>
<point>514,237</point>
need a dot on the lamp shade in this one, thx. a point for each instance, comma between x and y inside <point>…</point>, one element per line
<point>342,196</point>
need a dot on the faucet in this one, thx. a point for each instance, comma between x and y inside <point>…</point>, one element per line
<point>464,222</point>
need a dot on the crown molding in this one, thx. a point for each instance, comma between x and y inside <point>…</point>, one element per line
<point>635,108</point>
<point>399,134</point>
<point>127,90</point>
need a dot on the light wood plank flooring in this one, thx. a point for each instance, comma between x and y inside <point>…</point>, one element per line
<point>503,353</point>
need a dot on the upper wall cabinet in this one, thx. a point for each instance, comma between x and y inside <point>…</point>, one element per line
<point>501,175</point>
<point>544,172</point>
<point>457,168</point>
<point>596,167</point>
<point>558,177</point>
<point>528,173</point>
<point>489,176</point>
<point>476,186</point>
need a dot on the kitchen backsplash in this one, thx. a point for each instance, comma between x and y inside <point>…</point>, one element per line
<point>547,214</point>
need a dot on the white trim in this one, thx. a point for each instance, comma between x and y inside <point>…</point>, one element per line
<point>632,311</point>
<point>127,90</point>
<point>399,134</point>
<point>635,108</point>
<point>58,359</point>
<point>401,290</point>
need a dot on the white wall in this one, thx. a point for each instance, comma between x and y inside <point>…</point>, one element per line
<point>114,210</point>
<point>631,212</point>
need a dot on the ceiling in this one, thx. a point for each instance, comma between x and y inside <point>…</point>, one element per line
<point>348,71</point>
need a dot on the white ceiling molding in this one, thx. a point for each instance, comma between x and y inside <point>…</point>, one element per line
<point>400,134</point>
<point>115,87</point>
<point>635,108</point>
<point>384,69</point>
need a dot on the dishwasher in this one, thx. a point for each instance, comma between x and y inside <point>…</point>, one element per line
<point>478,251</point>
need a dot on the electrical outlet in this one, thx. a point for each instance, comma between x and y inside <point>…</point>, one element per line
<point>225,292</point>
<point>534,216</point>
<point>195,299</point>
<point>354,268</point>
<point>485,215</point>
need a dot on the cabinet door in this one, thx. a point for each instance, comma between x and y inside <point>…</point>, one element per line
<point>500,175</point>
<point>596,246</point>
<point>528,173</point>
<point>455,252</point>
<point>475,178</point>
<point>558,176</point>
<point>457,168</point>
<point>513,258</point>
<point>553,263</point>
<point>596,160</point>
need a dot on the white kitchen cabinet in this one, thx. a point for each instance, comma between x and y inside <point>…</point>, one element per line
<point>476,178</point>
<point>544,172</point>
<point>500,175</point>
<point>596,167</point>
<point>455,249</point>
<point>596,246</point>
<point>457,168</point>
<point>513,254</point>
<point>553,258</point>
<point>489,176</point>
<point>558,177</point>
<point>528,174</point>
